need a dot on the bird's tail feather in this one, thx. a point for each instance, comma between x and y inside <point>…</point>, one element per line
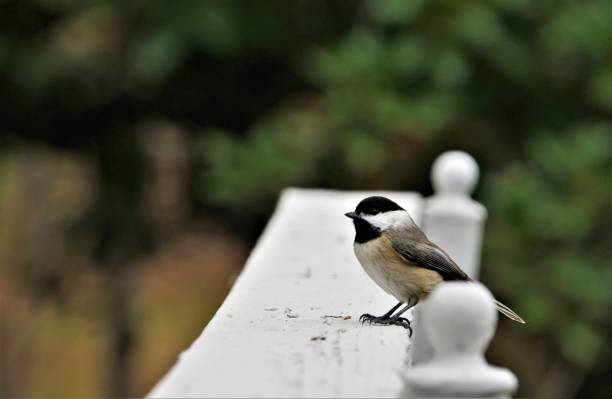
<point>509,313</point>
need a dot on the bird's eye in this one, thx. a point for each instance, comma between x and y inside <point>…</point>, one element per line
<point>375,211</point>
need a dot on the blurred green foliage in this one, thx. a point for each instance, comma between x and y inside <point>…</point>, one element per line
<point>549,245</point>
<point>410,74</point>
<point>352,95</point>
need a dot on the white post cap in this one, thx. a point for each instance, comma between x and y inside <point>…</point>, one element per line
<point>455,172</point>
<point>460,319</point>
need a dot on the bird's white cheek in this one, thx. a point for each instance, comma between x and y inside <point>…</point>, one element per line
<point>388,219</point>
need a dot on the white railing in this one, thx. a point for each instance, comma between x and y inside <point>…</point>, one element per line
<point>289,327</point>
<point>454,221</point>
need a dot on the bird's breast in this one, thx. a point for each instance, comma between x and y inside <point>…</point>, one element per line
<point>392,273</point>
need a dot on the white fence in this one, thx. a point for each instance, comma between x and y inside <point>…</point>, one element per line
<point>289,327</point>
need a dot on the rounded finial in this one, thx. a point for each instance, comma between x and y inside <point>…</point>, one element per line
<point>459,318</point>
<point>454,172</point>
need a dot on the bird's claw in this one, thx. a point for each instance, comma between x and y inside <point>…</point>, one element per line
<point>367,317</point>
<point>401,321</point>
<point>396,321</point>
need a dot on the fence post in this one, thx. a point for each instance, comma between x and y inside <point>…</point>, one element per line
<point>454,221</point>
<point>460,320</point>
<point>452,218</point>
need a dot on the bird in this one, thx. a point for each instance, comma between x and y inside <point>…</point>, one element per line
<point>399,257</point>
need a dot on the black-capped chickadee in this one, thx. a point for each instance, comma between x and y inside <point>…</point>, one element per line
<point>397,255</point>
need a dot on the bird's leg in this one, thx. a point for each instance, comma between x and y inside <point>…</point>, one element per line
<point>390,319</point>
<point>373,319</point>
<point>402,321</point>
<point>393,309</point>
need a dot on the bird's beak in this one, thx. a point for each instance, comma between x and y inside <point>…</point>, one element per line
<point>352,215</point>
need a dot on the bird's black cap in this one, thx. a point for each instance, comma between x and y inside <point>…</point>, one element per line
<point>375,205</point>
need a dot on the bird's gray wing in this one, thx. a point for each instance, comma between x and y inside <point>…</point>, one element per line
<point>428,255</point>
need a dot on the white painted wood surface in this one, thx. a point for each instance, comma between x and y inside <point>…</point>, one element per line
<point>289,327</point>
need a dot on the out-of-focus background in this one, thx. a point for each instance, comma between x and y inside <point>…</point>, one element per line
<point>144,144</point>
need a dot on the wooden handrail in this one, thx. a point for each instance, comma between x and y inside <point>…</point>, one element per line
<point>289,327</point>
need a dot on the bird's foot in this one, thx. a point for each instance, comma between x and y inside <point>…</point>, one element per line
<point>366,317</point>
<point>388,321</point>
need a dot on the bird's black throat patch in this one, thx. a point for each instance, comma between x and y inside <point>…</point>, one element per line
<point>364,231</point>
